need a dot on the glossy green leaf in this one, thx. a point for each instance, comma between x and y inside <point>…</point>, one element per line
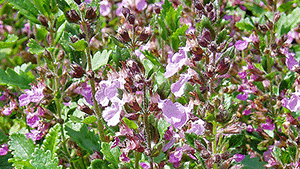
<point>60,32</point>
<point>63,5</point>
<point>100,59</point>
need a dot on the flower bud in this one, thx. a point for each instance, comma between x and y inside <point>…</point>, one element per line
<point>47,54</point>
<point>225,155</point>
<point>222,116</point>
<point>73,39</point>
<point>198,5</point>
<point>61,55</point>
<point>131,18</point>
<point>66,99</point>
<point>72,16</point>
<point>49,75</point>
<point>212,47</point>
<point>78,2</point>
<point>223,67</point>
<point>156,9</point>
<point>202,42</point>
<point>90,74</point>
<point>282,39</point>
<point>132,116</point>
<point>77,71</point>
<point>43,20</point>
<point>277,16</point>
<point>210,71</point>
<point>90,13</point>
<point>134,106</point>
<point>263,28</point>
<point>270,24</point>
<point>124,34</point>
<point>206,34</point>
<point>146,33</point>
<point>125,11</point>
<point>86,109</point>
<point>209,7</point>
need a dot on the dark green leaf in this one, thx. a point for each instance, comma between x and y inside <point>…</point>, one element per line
<point>245,24</point>
<point>252,163</point>
<point>63,5</point>
<point>9,41</point>
<point>4,162</point>
<point>10,77</point>
<point>235,140</point>
<point>3,137</point>
<point>43,160</point>
<point>60,32</point>
<point>26,8</point>
<point>190,139</point>
<point>83,137</point>
<point>99,164</point>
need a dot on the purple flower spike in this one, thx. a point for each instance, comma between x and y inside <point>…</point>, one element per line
<point>175,113</point>
<point>247,111</point>
<point>3,149</point>
<point>176,156</point>
<point>241,44</point>
<point>176,62</point>
<point>268,125</point>
<point>145,165</point>
<point>197,127</point>
<point>290,61</point>
<point>239,157</point>
<point>105,8</point>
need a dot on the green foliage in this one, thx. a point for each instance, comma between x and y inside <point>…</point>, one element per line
<point>100,59</point>
<point>10,77</point>
<point>99,164</point>
<point>111,155</point>
<point>90,120</point>
<point>52,139</point>
<point>85,138</point>
<point>42,159</point>
<point>35,47</point>
<point>79,45</point>
<point>162,127</point>
<point>252,163</point>
<point>287,22</point>
<point>3,137</point>
<point>9,41</point>
<point>27,8</point>
<point>4,162</point>
<point>235,140</point>
<point>131,124</point>
<point>287,82</point>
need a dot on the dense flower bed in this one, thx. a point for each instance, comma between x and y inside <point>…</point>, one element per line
<point>149,84</point>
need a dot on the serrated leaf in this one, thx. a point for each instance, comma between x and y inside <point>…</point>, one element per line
<point>90,119</point>
<point>83,137</point>
<point>79,45</point>
<point>131,124</point>
<point>42,160</point>
<point>26,8</point>
<point>100,59</point>
<point>21,147</point>
<point>35,47</point>
<point>111,155</point>
<point>9,41</point>
<point>51,140</point>
<point>245,24</point>
<point>162,127</point>
<point>252,163</point>
<point>10,77</point>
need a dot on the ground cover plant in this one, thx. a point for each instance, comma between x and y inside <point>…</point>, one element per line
<point>149,84</point>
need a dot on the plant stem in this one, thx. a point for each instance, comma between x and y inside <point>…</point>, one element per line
<point>215,141</point>
<point>137,159</point>
<point>146,121</point>
<point>93,86</point>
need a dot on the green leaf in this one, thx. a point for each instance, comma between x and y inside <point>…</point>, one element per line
<point>22,148</point>
<point>3,137</point>
<point>40,5</point>
<point>83,137</point>
<point>43,160</point>
<point>270,76</point>
<point>111,155</point>
<point>162,127</point>
<point>287,82</point>
<point>79,45</point>
<point>117,42</point>
<point>236,140</point>
<point>60,32</point>
<point>10,77</point>
<point>52,139</point>
<point>90,120</point>
<point>245,24</point>
<point>131,124</point>
<point>35,47</point>
<point>27,9</point>
<point>164,30</point>
<point>99,164</point>
<point>4,162</point>
<point>153,59</point>
<point>100,59</point>
<point>175,41</point>
<point>190,139</point>
<point>9,41</point>
<point>286,6</point>
<point>63,5</point>
<point>252,163</point>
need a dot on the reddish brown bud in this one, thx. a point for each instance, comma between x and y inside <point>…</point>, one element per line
<point>132,116</point>
<point>223,67</point>
<point>146,33</point>
<point>124,34</point>
<point>43,20</point>
<point>131,18</point>
<point>61,55</point>
<point>125,11</point>
<point>156,9</point>
<point>78,1</point>
<point>198,5</point>
<point>72,16</point>
<point>77,71</point>
<point>86,109</point>
<point>90,13</point>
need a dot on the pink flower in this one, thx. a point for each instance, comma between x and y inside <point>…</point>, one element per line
<point>112,113</point>
<point>241,44</point>
<point>175,113</point>
<point>178,87</point>
<point>35,94</point>
<point>239,157</point>
<point>145,165</point>
<point>176,62</point>
<point>176,155</point>
<point>140,4</point>
<point>8,110</point>
<point>268,124</point>
<point>197,127</point>
<point>290,61</point>
<point>247,111</point>
<point>3,149</point>
<point>105,8</point>
<point>242,96</point>
<point>293,103</point>
<point>108,91</point>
